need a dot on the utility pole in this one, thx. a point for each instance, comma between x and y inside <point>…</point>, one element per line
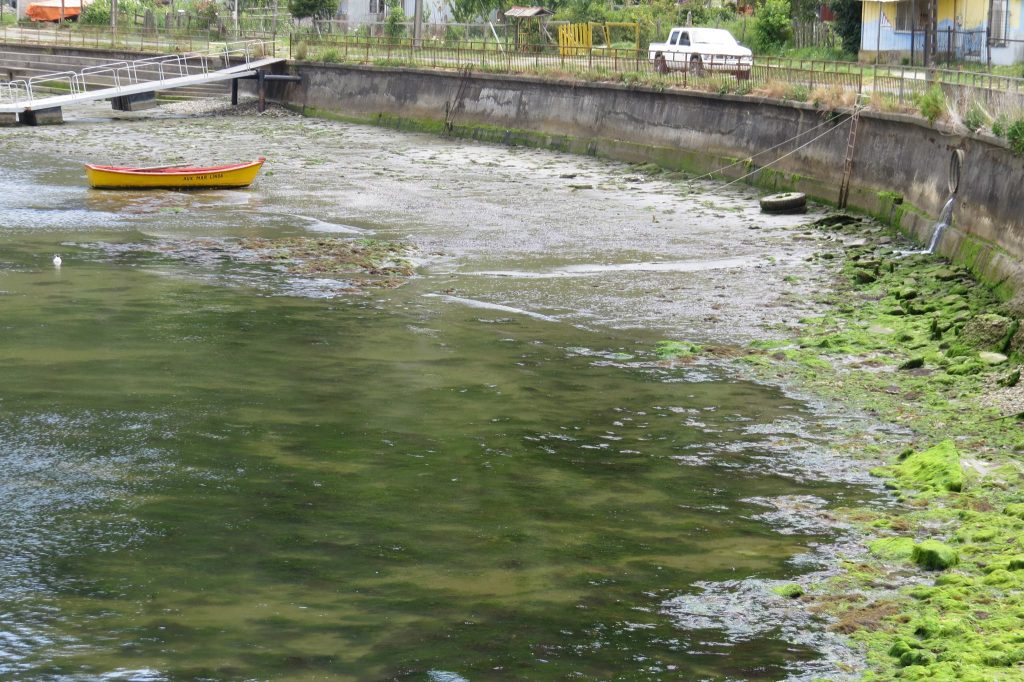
<point>113,16</point>
<point>417,23</point>
<point>988,33</point>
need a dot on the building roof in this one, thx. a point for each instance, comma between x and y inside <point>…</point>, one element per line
<point>528,12</point>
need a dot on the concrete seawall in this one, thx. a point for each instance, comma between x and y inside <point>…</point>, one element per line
<point>901,168</point>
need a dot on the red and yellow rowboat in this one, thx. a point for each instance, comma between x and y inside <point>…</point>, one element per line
<point>173,177</point>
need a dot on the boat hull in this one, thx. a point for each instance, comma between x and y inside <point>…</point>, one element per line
<point>215,177</point>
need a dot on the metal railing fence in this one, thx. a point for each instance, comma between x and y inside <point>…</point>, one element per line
<point>772,76</point>
<point>100,37</point>
<point>120,74</point>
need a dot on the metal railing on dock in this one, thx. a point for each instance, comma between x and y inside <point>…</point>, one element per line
<point>156,71</point>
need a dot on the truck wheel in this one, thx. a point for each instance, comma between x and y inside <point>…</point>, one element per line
<point>787,202</point>
<point>696,66</point>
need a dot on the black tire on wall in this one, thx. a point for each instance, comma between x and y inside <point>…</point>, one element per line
<point>787,202</point>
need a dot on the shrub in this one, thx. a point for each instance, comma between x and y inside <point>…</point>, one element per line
<point>847,23</point>
<point>96,13</point>
<point>932,104</point>
<point>300,9</point>
<point>1015,136</point>
<point>797,93</point>
<point>832,97</point>
<point>301,50</point>
<point>330,55</point>
<point>772,26</point>
<point>975,117</point>
<point>999,126</point>
<point>394,25</point>
<point>453,35</point>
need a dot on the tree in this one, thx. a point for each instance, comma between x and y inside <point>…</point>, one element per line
<point>394,25</point>
<point>318,9</point>
<point>465,11</point>
<point>772,25</point>
<point>848,23</point>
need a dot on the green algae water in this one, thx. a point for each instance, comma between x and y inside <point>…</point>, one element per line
<point>224,473</point>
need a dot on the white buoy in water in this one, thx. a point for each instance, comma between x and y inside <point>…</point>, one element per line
<point>57,261</point>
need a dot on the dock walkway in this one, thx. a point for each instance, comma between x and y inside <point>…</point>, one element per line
<point>126,83</point>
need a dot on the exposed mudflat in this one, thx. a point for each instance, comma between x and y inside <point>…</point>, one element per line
<point>586,241</point>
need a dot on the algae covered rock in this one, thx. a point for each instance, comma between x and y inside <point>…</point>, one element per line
<point>892,549</point>
<point>965,367</point>
<point>987,332</point>
<point>1011,379</point>
<point>1016,510</point>
<point>935,469</point>
<point>790,590</point>
<point>1016,345</point>
<point>934,555</point>
<point>864,276</point>
<point>913,363</point>
<point>668,350</point>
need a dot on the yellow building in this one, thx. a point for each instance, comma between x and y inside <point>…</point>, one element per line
<point>893,30</point>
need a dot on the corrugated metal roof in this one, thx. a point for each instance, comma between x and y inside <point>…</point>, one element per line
<point>527,12</point>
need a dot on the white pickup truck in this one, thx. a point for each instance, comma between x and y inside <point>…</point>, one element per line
<point>700,49</point>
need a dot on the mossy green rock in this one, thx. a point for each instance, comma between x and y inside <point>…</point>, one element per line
<point>1016,345</point>
<point>965,368</point>
<point>934,555</point>
<point>913,363</point>
<point>1016,510</point>
<point>936,469</point>
<point>676,349</point>
<point>892,549</point>
<point>864,276</point>
<point>1011,379</point>
<point>907,293</point>
<point>987,332</point>
<point>791,590</point>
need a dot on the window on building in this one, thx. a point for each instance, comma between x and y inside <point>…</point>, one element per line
<point>904,16</point>
<point>378,6</point>
<point>1000,19</point>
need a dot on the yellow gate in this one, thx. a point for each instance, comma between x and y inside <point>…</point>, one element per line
<point>574,39</point>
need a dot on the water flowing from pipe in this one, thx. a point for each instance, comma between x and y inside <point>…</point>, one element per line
<point>945,218</point>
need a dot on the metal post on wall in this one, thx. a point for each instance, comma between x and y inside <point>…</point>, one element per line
<point>988,34</point>
<point>878,32</point>
<point>913,32</point>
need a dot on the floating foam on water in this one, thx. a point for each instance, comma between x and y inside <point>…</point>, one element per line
<point>585,269</point>
<point>445,676</point>
<point>473,303</point>
<point>318,225</point>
